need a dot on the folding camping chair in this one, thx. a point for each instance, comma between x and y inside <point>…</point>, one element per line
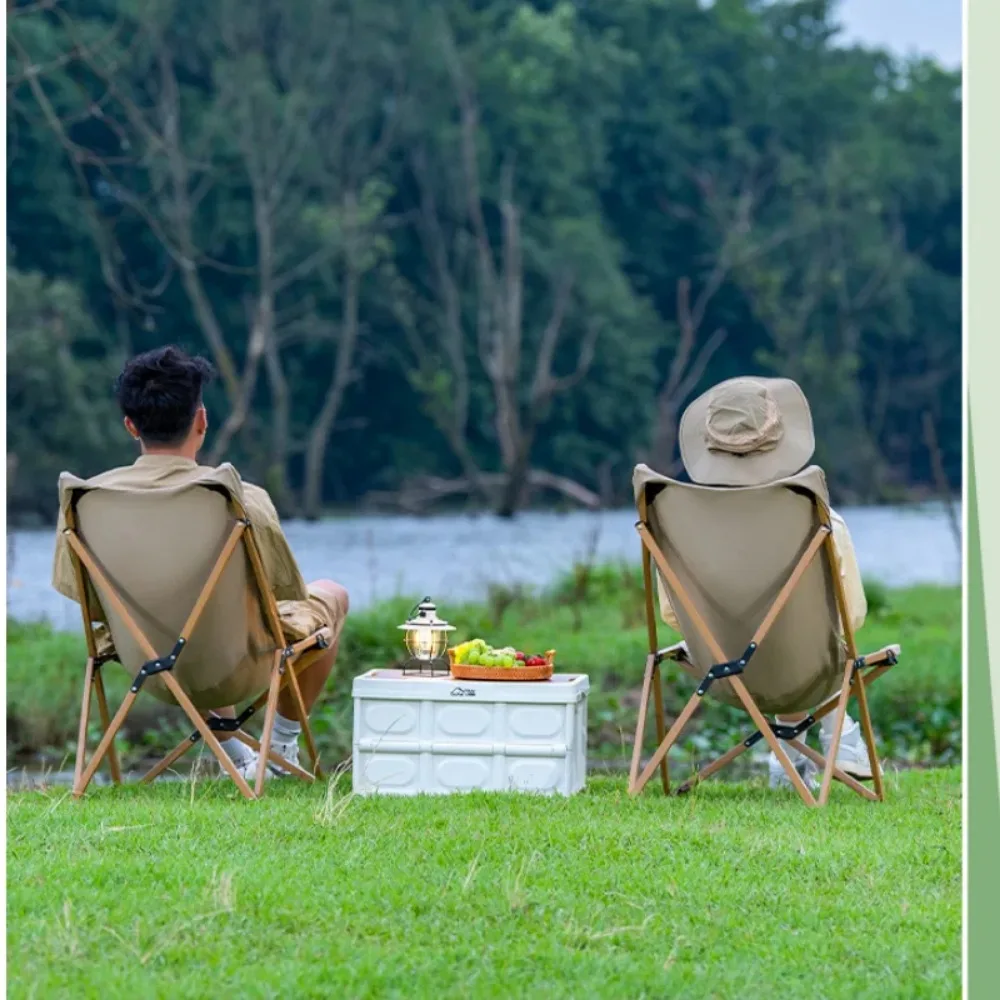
<point>753,579</point>
<point>192,624</point>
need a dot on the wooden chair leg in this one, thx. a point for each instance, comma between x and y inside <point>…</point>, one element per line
<point>820,761</point>
<point>102,707</point>
<point>838,729</point>
<point>640,726</point>
<point>668,741</point>
<point>709,769</point>
<point>106,740</point>
<point>661,726</point>
<point>269,714</point>
<point>861,686</point>
<point>81,739</point>
<point>300,708</point>
<point>178,751</point>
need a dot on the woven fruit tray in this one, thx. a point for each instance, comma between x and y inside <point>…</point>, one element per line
<point>471,672</point>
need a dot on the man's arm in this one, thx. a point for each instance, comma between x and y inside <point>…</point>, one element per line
<point>850,574</point>
<point>666,611</point>
<point>280,567</point>
<point>64,573</point>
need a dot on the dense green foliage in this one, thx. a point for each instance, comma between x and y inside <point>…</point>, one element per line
<point>596,625</point>
<point>478,250</point>
<point>315,893</point>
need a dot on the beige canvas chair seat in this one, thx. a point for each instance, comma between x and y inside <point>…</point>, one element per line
<point>752,577</point>
<point>177,575</point>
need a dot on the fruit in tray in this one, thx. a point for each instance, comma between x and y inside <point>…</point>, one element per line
<point>478,653</point>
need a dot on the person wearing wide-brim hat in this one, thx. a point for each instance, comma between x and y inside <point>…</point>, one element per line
<point>748,432</point>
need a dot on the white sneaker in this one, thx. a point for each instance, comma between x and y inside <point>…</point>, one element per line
<point>290,751</point>
<point>777,778</point>
<point>246,769</point>
<point>852,754</point>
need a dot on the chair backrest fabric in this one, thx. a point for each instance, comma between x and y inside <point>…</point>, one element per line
<point>158,548</point>
<point>732,550</point>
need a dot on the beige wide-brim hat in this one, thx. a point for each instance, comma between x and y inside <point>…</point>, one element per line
<point>747,431</point>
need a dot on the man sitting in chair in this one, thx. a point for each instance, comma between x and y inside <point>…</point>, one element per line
<point>772,435</point>
<point>160,394</point>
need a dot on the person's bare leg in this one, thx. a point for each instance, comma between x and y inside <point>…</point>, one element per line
<point>791,720</point>
<point>313,679</point>
<point>287,722</point>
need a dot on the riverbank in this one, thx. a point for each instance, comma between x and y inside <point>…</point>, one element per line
<point>593,617</point>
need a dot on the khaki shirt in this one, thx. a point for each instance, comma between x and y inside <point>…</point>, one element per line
<point>152,472</point>
<point>854,591</point>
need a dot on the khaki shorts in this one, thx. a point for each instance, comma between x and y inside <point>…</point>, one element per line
<point>300,619</point>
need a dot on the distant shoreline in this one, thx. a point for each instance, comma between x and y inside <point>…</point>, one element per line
<point>920,500</point>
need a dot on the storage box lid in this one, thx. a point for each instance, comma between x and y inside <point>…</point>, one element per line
<point>394,684</point>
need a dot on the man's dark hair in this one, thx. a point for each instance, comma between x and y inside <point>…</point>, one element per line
<point>160,392</point>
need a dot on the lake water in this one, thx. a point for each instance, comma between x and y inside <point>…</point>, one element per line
<point>456,557</point>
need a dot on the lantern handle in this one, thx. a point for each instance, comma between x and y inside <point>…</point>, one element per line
<point>416,607</point>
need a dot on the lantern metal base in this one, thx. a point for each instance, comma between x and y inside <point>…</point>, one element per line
<point>438,667</point>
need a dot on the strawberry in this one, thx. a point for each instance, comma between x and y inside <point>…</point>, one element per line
<point>519,656</point>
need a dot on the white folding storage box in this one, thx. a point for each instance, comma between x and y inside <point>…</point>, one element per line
<point>417,734</point>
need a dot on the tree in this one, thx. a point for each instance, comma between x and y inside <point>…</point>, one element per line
<point>279,81</point>
<point>513,291</point>
<point>59,379</point>
<point>487,252</point>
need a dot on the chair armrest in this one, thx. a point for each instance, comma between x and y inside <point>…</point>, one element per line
<point>679,651</point>
<point>887,654</point>
<point>320,639</point>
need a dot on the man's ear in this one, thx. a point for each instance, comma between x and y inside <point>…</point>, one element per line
<point>201,420</point>
<point>131,428</point>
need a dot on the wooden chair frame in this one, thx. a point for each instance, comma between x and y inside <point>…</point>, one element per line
<point>859,672</point>
<point>289,660</point>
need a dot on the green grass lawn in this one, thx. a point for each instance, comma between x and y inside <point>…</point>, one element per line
<point>185,891</point>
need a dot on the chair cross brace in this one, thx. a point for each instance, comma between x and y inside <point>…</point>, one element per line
<point>783,732</point>
<point>158,666</point>
<point>728,669</point>
<point>219,725</point>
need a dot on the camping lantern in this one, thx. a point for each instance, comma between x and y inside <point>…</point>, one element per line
<point>426,638</point>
